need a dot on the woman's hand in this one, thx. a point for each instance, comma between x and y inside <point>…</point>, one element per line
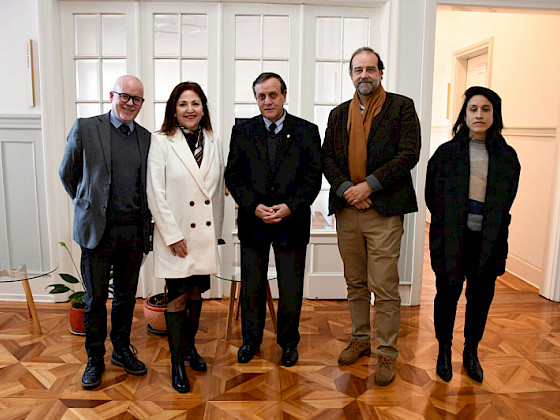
<point>179,249</point>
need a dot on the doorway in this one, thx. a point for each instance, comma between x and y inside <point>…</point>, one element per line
<point>520,69</point>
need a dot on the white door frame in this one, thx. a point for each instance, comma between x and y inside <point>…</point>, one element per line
<point>459,70</point>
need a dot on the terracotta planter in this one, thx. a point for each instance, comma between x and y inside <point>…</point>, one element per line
<point>154,314</point>
<point>77,321</point>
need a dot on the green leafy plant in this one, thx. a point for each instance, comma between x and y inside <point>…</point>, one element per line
<point>77,297</point>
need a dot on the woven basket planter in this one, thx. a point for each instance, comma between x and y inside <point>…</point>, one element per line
<point>154,313</point>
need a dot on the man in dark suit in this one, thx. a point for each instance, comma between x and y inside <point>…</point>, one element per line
<point>371,144</point>
<point>274,175</point>
<point>104,172</point>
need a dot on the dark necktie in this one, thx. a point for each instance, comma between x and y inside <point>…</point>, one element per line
<point>272,128</point>
<point>272,144</point>
<point>125,129</point>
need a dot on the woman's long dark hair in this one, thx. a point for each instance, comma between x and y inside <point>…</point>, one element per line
<point>170,122</point>
<point>493,133</point>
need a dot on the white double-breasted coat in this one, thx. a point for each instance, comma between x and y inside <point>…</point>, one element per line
<point>186,202</point>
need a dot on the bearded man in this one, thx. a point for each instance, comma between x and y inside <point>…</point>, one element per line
<point>371,144</point>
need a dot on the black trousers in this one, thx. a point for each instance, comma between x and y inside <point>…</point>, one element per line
<point>290,268</point>
<point>121,249</point>
<point>479,294</point>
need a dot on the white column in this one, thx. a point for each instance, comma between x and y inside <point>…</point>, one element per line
<point>54,138</point>
<point>410,70</point>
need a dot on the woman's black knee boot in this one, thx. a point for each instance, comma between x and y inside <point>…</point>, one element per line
<point>191,313</point>
<point>175,330</point>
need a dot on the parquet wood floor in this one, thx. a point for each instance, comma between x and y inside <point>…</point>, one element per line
<point>40,375</point>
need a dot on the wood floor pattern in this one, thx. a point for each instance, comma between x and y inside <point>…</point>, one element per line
<point>40,375</point>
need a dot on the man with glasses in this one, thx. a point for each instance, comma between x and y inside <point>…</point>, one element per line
<point>104,172</point>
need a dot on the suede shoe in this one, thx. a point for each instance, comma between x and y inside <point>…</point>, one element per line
<point>471,363</point>
<point>386,366</point>
<point>125,357</point>
<point>92,374</point>
<point>195,360</point>
<point>353,352</point>
<point>289,355</point>
<point>444,369</point>
<point>246,353</point>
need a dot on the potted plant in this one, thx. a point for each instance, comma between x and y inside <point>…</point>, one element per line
<point>77,304</point>
<point>154,308</point>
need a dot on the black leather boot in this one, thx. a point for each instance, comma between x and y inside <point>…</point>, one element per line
<point>471,363</point>
<point>175,329</point>
<point>192,312</point>
<point>444,369</point>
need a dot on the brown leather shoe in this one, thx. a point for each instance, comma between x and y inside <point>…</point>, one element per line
<point>386,366</point>
<point>353,352</point>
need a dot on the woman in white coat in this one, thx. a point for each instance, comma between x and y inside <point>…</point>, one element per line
<point>186,197</point>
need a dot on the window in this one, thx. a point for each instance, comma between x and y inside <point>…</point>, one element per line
<point>99,58</point>
<point>262,43</point>
<point>336,39</point>
<point>180,54</point>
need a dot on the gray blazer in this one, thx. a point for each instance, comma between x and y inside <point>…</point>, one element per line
<point>86,173</point>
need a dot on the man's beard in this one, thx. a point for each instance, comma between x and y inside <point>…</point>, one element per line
<point>366,86</point>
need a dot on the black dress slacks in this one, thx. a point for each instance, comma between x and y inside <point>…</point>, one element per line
<point>121,248</point>
<point>290,268</point>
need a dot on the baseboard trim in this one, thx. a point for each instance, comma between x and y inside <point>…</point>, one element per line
<point>524,270</point>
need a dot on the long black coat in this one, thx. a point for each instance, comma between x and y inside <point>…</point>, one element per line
<point>295,179</point>
<point>447,198</point>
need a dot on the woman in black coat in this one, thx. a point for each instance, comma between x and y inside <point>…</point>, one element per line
<point>471,183</point>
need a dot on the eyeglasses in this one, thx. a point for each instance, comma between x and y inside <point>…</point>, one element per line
<point>125,97</point>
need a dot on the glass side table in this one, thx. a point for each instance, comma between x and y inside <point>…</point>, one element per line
<point>232,273</point>
<point>22,270</point>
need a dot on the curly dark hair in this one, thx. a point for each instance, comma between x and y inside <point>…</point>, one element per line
<point>170,121</point>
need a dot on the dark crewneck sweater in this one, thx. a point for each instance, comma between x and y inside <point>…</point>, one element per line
<point>124,199</point>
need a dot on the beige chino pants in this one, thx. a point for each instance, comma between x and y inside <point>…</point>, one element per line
<point>369,245</point>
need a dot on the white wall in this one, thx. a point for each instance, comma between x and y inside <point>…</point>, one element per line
<point>18,23</point>
<point>524,72</point>
<point>23,229</point>
<point>525,67</point>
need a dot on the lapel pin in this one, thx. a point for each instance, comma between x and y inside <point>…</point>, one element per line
<point>288,136</point>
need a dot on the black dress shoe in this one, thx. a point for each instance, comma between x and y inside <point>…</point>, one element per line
<point>289,356</point>
<point>92,375</point>
<point>471,363</point>
<point>444,368</point>
<point>196,361</point>
<point>246,353</point>
<point>125,357</point>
